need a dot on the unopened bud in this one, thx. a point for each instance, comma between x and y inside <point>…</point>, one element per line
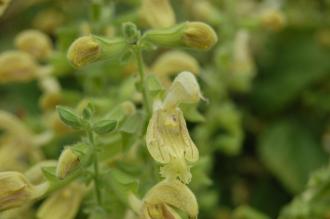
<point>195,35</point>
<point>272,19</point>
<point>170,193</point>
<point>35,43</point>
<point>3,5</point>
<point>68,162</point>
<point>17,66</point>
<point>173,62</point>
<point>89,49</point>
<point>157,13</point>
<point>63,204</point>
<point>16,190</point>
<point>184,89</point>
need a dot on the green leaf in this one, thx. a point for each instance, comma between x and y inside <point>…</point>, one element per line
<point>122,183</point>
<point>50,174</point>
<point>153,83</point>
<point>104,126</point>
<point>69,117</point>
<point>133,123</point>
<point>291,152</point>
<point>298,62</point>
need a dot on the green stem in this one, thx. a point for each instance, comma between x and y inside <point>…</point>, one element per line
<point>96,168</point>
<point>143,84</point>
<point>64,182</point>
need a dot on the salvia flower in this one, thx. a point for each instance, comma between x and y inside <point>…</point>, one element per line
<point>67,162</point>
<point>173,62</point>
<point>17,66</point>
<point>63,204</point>
<point>196,35</point>
<point>157,13</point>
<point>166,195</point>
<point>167,137</point>
<point>16,190</point>
<point>35,43</point>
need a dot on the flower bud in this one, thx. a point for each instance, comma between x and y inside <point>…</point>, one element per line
<point>157,13</point>
<point>67,162</point>
<point>169,193</point>
<point>272,19</point>
<point>195,35</point>
<point>17,66</point>
<point>184,89</point>
<point>16,190</point>
<point>3,6</point>
<point>34,42</point>
<point>63,204</point>
<point>173,62</point>
<point>89,49</point>
<point>84,50</point>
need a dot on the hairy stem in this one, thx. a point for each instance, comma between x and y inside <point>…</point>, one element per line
<point>96,168</point>
<point>143,84</point>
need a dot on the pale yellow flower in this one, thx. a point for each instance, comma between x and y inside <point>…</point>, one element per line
<point>160,200</point>
<point>62,204</point>
<point>157,13</point>
<point>167,138</point>
<point>16,190</point>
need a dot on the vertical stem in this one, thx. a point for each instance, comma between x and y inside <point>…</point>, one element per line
<point>143,83</point>
<point>96,168</point>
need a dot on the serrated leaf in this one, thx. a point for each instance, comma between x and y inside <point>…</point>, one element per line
<point>104,126</point>
<point>69,117</point>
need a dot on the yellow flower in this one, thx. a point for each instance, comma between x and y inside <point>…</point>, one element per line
<point>167,137</point>
<point>173,62</point>
<point>35,43</point>
<point>63,204</point>
<point>17,66</point>
<point>157,13</point>
<point>166,195</point>
<point>16,190</point>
